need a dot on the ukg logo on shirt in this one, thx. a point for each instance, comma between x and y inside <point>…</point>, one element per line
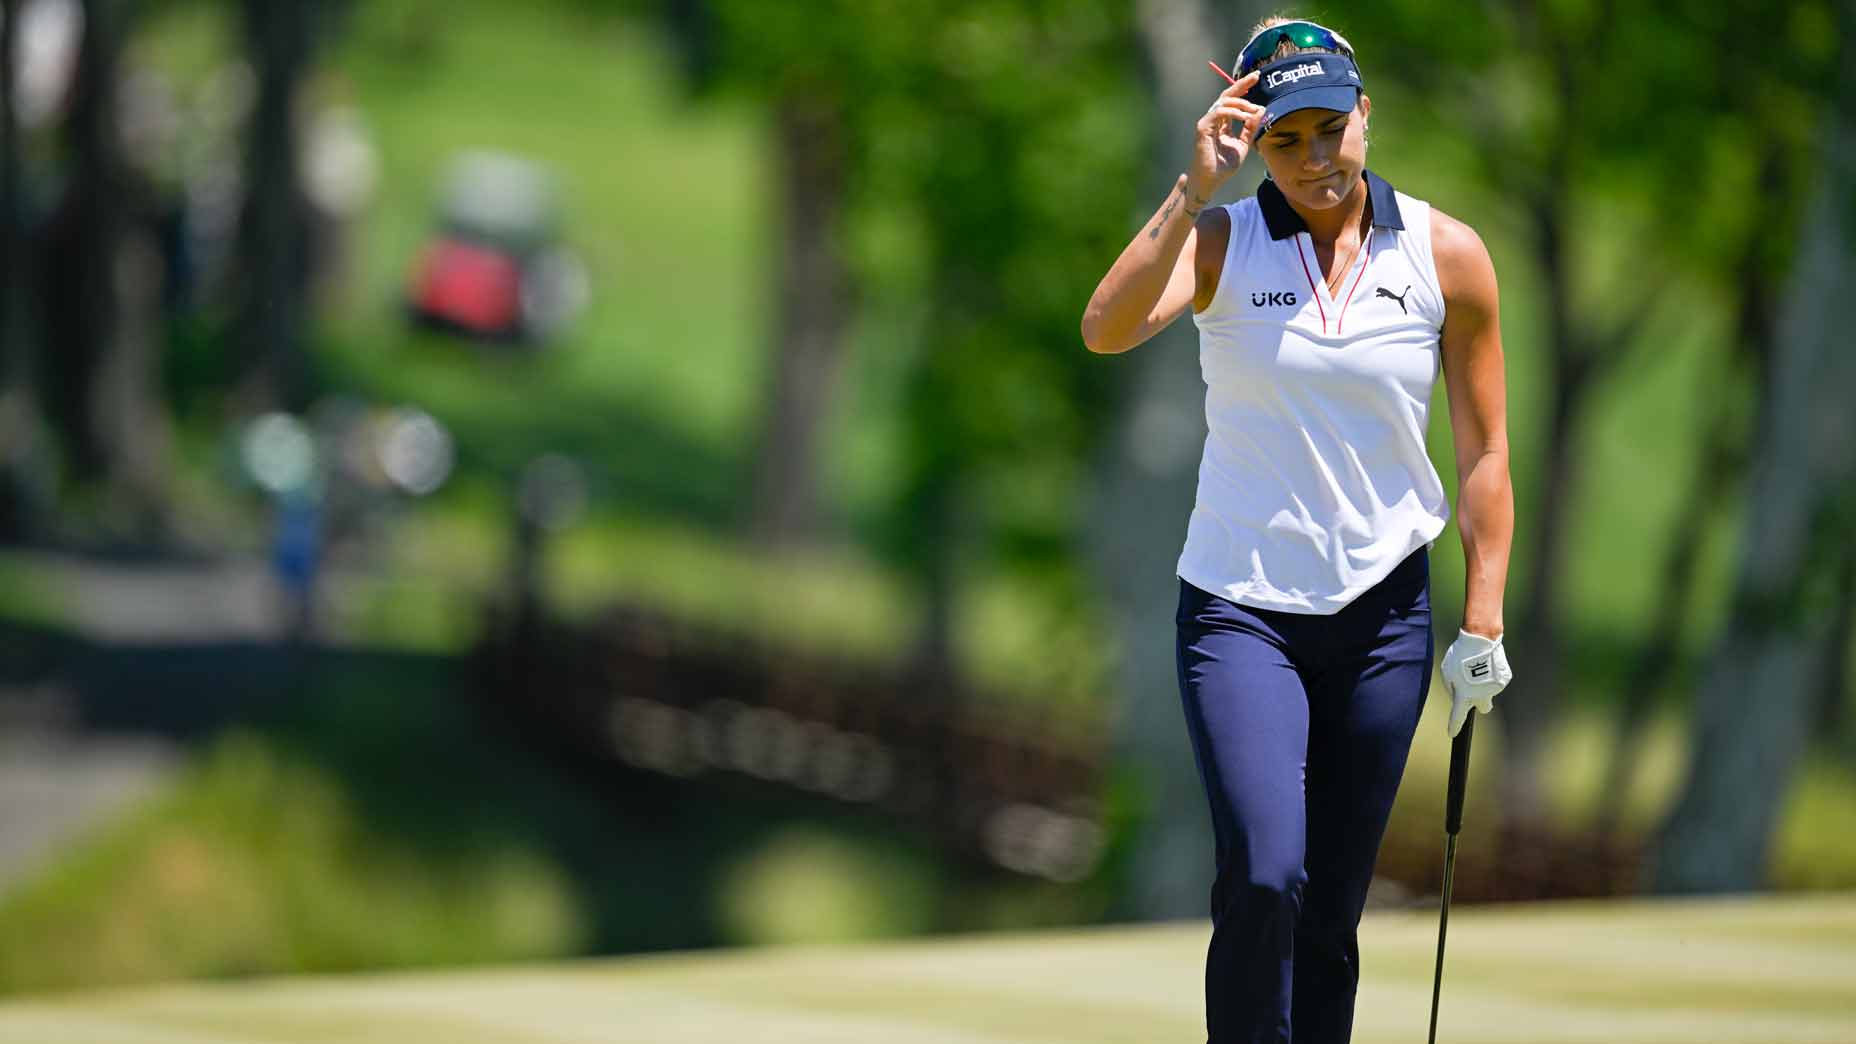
<point>1266,298</point>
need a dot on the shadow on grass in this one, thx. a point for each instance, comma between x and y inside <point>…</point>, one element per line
<point>431,776</point>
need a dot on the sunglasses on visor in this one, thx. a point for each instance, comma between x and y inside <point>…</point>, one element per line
<point>1305,34</point>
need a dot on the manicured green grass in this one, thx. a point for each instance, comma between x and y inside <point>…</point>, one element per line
<point>1764,971</point>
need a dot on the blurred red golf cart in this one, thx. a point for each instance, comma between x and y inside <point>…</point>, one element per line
<point>494,268</point>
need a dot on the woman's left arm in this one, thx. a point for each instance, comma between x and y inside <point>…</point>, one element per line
<point>1472,365</point>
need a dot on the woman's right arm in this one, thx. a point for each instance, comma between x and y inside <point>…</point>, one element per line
<point>1153,281</point>
<point>1156,277</point>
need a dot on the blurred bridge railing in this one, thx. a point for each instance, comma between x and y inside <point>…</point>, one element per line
<point>651,694</point>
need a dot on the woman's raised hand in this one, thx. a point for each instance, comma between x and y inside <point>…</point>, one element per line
<point>1224,137</point>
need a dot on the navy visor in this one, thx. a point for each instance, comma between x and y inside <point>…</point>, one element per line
<point>1305,81</point>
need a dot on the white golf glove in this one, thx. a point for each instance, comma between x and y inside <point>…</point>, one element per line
<point>1475,669</point>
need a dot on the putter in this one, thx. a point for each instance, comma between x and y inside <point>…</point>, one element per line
<point>1453,822</point>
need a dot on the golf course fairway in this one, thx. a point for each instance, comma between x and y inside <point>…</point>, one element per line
<point>1728,971</point>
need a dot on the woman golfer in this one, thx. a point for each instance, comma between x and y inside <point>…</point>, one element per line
<point>1326,306</point>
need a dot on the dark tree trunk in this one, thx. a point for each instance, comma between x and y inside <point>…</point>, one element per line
<point>9,193</point>
<point>1531,704</point>
<point>1583,349</point>
<point>99,285</point>
<point>18,408</point>
<point>813,295</point>
<point>126,401</point>
<point>1833,703</point>
<point>131,410</point>
<point>932,661</point>
<point>1532,700</point>
<point>1146,478</point>
<point>273,235</point>
<point>80,242</point>
<point>932,522</point>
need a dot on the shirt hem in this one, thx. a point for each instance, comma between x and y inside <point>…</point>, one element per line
<point>1246,593</point>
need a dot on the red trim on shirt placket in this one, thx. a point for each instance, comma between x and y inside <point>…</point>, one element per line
<point>1368,252</point>
<point>1311,285</point>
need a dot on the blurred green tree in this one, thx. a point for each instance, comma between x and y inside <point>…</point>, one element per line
<point>954,171</point>
<point>1756,702</point>
<point>944,147</point>
<point>1582,155</point>
<point>1020,145</point>
<point>1734,394</point>
<point>815,70</point>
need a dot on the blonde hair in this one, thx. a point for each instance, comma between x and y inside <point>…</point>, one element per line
<point>1286,47</point>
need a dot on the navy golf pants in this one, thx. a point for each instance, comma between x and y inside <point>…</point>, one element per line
<point>1300,725</point>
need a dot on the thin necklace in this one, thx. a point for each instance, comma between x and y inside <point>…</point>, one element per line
<point>1340,274</point>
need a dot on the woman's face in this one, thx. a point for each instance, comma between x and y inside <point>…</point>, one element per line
<point>1315,156</point>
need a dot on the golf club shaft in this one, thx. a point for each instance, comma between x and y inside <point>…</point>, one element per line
<point>1443,929</point>
<point>1453,822</point>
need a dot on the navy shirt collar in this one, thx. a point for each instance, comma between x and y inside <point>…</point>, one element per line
<point>1284,222</point>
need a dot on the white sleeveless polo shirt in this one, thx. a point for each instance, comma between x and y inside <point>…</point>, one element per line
<point>1315,483</point>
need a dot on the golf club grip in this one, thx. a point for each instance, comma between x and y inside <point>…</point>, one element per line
<point>1459,775</point>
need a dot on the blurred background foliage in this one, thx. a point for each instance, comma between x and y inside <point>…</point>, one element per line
<point>823,391</point>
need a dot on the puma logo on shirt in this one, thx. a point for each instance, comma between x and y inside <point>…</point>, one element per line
<point>1400,298</point>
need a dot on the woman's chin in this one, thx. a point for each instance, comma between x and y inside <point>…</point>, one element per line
<point>1322,193</point>
<point>1318,199</point>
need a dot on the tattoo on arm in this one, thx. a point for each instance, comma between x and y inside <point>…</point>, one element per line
<point>1171,202</point>
<point>1192,211</point>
